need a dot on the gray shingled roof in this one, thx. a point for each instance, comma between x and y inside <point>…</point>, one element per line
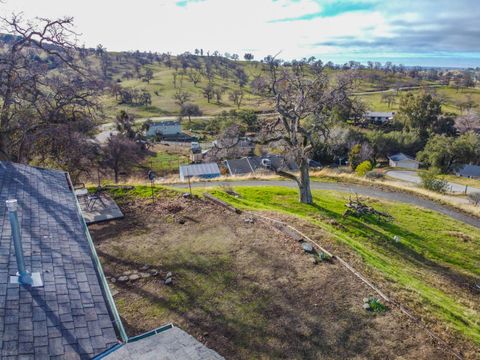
<point>400,157</point>
<point>69,317</point>
<point>170,343</point>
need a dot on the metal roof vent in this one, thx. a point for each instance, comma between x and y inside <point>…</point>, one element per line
<point>23,277</point>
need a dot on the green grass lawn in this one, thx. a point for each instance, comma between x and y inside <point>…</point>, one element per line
<point>428,268</point>
<point>462,180</point>
<point>164,161</point>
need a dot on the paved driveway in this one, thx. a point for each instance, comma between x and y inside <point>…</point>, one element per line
<point>352,189</point>
<point>412,177</point>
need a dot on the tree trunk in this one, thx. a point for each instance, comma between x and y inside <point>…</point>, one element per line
<point>115,171</point>
<point>304,184</point>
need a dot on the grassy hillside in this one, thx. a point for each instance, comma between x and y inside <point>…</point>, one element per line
<point>162,88</point>
<point>452,99</point>
<point>430,269</point>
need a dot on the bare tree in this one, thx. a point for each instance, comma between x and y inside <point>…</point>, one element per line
<point>194,77</point>
<point>148,75</point>
<point>470,121</point>
<point>306,104</point>
<point>120,154</point>
<point>236,96</point>
<point>181,97</point>
<point>34,100</point>
<point>190,110</point>
<point>208,92</point>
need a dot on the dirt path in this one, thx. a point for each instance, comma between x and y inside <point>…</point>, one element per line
<point>354,189</point>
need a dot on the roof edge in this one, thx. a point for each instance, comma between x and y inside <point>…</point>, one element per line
<point>98,266</point>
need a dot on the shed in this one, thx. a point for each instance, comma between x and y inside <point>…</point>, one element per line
<point>469,171</point>
<point>203,171</point>
<point>164,128</point>
<point>379,117</point>
<point>403,161</point>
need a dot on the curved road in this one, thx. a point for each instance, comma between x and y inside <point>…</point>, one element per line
<point>354,189</point>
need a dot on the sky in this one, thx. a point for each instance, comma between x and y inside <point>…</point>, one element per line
<point>410,32</point>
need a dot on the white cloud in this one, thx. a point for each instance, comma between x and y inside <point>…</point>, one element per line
<point>249,25</point>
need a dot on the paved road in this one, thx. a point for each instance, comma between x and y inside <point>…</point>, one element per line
<point>412,177</point>
<point>354,189</point>
<point>404,88</point>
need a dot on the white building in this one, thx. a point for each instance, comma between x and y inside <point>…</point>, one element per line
<point>379,117</point>
<point>164,128</point>
<point>403,161</point>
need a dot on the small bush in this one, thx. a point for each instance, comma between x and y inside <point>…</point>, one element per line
<point>374,175</point>
<point>363,168</point>
<point>474,198</point>
<point>431,181</point>
<point>373,304</point>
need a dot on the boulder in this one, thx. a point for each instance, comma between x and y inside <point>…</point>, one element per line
<point>144,275</point>
<point>122,279</point>
<point>168,281</point>
<point>127,273</point>
<point>169,275</point>
<point>134,277</point>
<point>145,267</point>
<point>307,247</point>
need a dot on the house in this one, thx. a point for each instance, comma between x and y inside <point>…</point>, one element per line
<point>251,164</point>
<point>469,171</point>
<point>72,315</point>
<point>164,129</point>
<point>403,161</point>
<point>203,171</point>
<point>68,312</point>
<point>378,117</point>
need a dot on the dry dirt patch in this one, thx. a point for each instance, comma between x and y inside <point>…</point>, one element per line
<point>244,289</point>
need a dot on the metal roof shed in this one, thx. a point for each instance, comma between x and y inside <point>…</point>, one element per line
<point>204,171</point>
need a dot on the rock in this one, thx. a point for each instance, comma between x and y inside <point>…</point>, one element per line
<point>134,277</point>
<point>168,281</point>
<point>128,272</point>
<point>313,260</point>
<point>145,267</point>
<point>307,247</point>
<point>153,272</point>
<point>169,275</point>
<point>366,306</point>
<point>249,220</point>
<point>144,275</point>
<point>186,195</point>
<point>122,279</point>
<point>113,280</point>
<point>365,300</point>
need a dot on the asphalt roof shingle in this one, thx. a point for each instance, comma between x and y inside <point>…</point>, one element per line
<point>68,317</point>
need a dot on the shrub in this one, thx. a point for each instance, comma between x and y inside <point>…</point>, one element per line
<point>363,168</point>
<point>375,175</point>
<point>474,198</point>
<point>373,304</point>
<point>431,181</point>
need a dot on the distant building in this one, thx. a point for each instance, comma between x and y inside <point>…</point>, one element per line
<point>164,128</point>
<point>403,161</point>
<point>203,171</point>
<point>469,171</point>
<point>378,117</point>
<point>252,164</point>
